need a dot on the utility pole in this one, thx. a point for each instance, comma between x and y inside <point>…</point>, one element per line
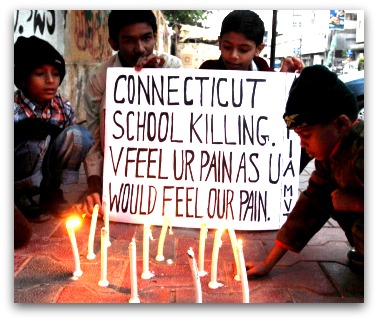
<point>273,40</point>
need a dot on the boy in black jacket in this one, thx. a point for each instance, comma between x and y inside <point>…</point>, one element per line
<point>323,112</point>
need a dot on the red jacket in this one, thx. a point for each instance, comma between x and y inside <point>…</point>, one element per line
<point>219,65</point>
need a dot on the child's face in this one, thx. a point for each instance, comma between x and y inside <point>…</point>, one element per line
<point>42,84</point>
<point>320,139</point>
<point>134,41</point>
<point>237,51</point>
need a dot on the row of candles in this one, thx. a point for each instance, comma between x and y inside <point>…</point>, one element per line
<point>197,270</point>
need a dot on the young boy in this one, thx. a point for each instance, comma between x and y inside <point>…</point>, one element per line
<point>323,112</point>
<point>241,42</point>
<point>48,147</point>
<point>132,33</point>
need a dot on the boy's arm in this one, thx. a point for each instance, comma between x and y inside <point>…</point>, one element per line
<point>257,269</point>
<point>93,163</point>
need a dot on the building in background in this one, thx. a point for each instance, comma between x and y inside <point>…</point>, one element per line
<point>194,45</point>
<point>317,38</point>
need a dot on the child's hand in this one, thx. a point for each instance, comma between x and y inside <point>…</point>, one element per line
<point>292,64</point>
<point>151,61</point>
<point>88,204</point>
<point>257,269</point>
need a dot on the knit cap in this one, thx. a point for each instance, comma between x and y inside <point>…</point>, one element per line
<point>318,96</point>
<point>30,53</point>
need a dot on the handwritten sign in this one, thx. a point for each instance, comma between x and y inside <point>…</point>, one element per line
<point>199,145</point>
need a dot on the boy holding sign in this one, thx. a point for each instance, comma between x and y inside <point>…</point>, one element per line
<point>323,112</point>
<point>241,42</point>
<point>133,34</point>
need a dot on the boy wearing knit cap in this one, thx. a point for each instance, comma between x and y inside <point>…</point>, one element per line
<point>48,145</point>
<point>323,112</point>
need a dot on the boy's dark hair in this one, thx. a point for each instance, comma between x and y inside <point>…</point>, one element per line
<point>31,53</point>
<point>246,22</point>
<point>121,18</point>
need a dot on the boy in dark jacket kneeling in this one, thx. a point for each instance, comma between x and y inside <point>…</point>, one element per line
<point>323,112</point>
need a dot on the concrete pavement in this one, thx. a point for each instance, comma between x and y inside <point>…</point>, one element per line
<point>43,269</point>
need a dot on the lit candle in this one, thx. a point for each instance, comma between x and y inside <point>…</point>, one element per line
<point>104,258</point>
<point>91,255</point>
<point>244,280</point>
<point>146,274</point>
<point>106,223</point>
<point>213,284</point>
<point>195,275</point>
<point>234,243</point>
<point>70,225</point>
<point>133,273</point>
<point>167,221</point>
<point>201,254</point>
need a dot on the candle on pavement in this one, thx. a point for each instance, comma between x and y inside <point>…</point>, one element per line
<point>234,243</point>
<point>213,284</point>
<point>146,274</point>
<point>201,254</point>
<point>106,223</point>
<point>104,259</point>
<point>133,273</point>
<point>166,223</point>
<point>91,255</point>
<point>243,276</point>
<point>195,275</point>
<point>70,225</point>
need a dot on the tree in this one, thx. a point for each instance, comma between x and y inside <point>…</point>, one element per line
<point>187,17</point>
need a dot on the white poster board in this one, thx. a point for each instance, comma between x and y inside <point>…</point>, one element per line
<point>199,145</point>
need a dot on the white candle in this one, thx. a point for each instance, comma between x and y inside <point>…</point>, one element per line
<point>213,284</point>
<point>104,258</point>
<point>146,274</point>
<point>195,275</point>
<point>106,223</point>
<point>234,243</point>
<point>70,225</point>
<point>133,273</point>
<point>91,255</point>
<point>160,255</point>
<point>201,254</point>
<point>244,279</point>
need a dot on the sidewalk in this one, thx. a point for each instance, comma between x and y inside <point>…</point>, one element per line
<point>43,269</point>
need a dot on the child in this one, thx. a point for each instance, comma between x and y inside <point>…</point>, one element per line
<point>133,34</point>
<point>241,42</point>
<point>323,112</point>
<point>48,145</point>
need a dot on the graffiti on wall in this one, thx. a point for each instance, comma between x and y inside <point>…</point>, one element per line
<point>42,21</point>
<point>45,24</point>
<point>91,33</point>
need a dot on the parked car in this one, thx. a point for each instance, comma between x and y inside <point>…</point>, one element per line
<point>356,82</point>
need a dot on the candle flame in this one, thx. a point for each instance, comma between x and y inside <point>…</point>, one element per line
<point>73,222</point>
